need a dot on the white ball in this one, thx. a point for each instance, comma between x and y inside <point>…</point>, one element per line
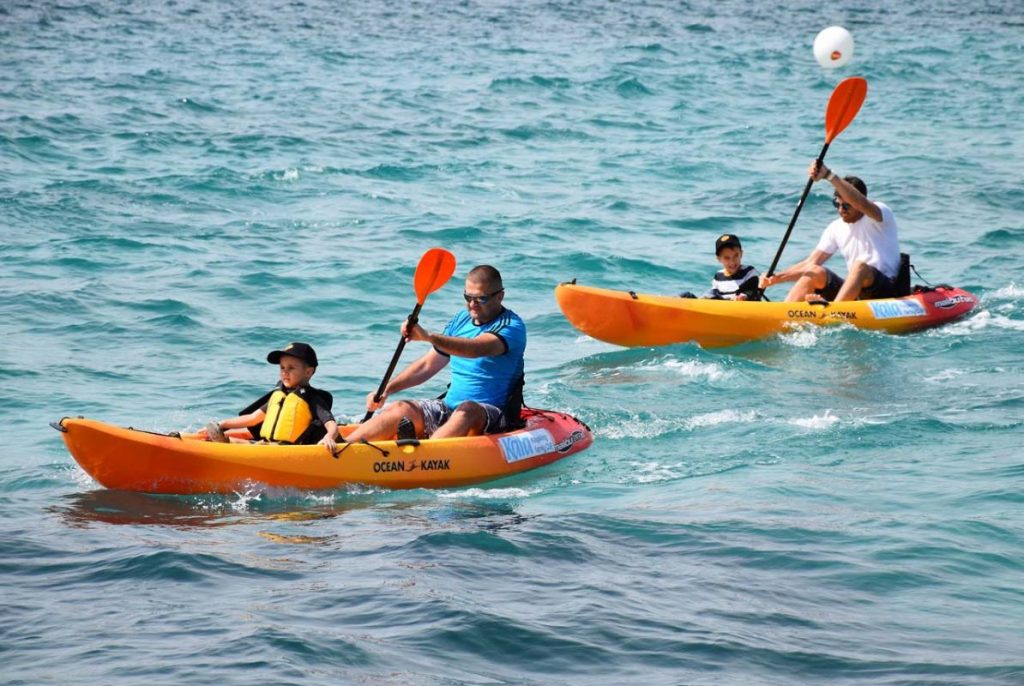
<point>833,47</point>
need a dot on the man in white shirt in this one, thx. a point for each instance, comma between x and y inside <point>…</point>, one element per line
<point>865,233</point>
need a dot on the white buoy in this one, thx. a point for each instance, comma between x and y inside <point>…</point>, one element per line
<point>833,47</point>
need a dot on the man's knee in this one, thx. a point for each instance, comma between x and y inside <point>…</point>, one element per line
<point>863,273</point>
<point>817,275</point>
<point>471,413</point>
<point>405,408</point>
<point>470,408</point>
<point>467,419</point>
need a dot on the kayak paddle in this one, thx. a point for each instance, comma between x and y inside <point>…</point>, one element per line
<point>435,268</point>
<point>843,105</point>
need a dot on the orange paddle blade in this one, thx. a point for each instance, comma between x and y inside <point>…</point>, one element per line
<point>435,268</point>
<point>843,105</point>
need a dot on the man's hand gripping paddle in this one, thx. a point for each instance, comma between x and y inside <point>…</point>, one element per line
<point>843,106</point>
<point>435,268</point>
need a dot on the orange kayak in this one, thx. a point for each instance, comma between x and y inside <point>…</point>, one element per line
<point>135,460</point>
<point>635,319</point>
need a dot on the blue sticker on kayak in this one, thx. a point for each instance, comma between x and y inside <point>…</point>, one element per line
<point>891,309</point>
<point>527,444</point>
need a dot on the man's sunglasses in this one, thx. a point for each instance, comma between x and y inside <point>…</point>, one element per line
<point>836,204</point>
<point>481,299</point>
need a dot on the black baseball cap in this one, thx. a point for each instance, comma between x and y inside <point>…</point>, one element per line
<point>303,351</point>
<point>727,240</point>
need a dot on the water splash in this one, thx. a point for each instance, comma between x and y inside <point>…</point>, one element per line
<point>489,493</point>
<point>816,422</point>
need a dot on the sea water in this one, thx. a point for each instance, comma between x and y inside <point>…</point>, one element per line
<point>186,185</point>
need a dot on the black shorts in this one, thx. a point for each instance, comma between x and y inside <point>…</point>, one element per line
<point>883,287</point>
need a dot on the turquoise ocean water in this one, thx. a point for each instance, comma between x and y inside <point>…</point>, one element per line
<point>187,185</point>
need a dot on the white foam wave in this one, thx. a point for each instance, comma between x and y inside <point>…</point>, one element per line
<point>290,174</point>
<point>1001,322</point>
<point>877,420</point>
<point>1011,291</point>
<point>252,494</point>
<point>696,369</point>
<point>982,320</point>
<point>638,427</point>
<point>944,375</point>
<point>82,479</point>
<point>805,336</point>
<point>320,498</point>
<point>652,427</point>
<point>721,417</point>
<point>489,493</point>
<point>364,489</point>
<point>653,472</point>
<point>816,422</point>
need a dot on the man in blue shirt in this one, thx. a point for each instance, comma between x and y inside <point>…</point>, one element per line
<point>484,345</point>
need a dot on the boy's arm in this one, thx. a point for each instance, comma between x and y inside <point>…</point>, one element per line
<point>242,421</point>
<point>324,414</point>
<point>332,432</point>
<point>748,290</point>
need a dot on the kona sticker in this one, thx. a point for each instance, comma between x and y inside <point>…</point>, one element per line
<point>891,309</point>
<point>522,446</point>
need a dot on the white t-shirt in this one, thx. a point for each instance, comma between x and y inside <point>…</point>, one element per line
<point>865,240</point>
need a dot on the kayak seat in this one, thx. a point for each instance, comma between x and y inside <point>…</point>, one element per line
<point>513,409</point>
<point>903,276</point>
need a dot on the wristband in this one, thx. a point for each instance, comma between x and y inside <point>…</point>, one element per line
<point>831,176</point>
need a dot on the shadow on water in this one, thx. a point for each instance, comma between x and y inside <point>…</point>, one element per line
<point>774,352</point>
<point>600,364</point>
<point>127,507</point>
<point>203,511</point>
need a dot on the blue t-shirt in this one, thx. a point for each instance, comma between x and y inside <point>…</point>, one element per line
<point>486,379</point>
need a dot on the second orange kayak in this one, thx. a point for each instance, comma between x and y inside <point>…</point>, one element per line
<point>636,319</point>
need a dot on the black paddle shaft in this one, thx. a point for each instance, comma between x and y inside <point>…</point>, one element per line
<point>792,222</point>
<point>413,318</point>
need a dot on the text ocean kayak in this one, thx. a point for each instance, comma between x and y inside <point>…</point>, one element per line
<point>134,460</point>
<point>635,319</point>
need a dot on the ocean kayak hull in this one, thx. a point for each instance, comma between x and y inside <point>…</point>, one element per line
<point>636,319</point>
<point>134,460</point>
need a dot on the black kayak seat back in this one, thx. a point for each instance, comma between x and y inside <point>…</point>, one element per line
<point>903,276</point>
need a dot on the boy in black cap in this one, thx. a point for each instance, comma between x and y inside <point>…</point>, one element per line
<point>294,412</point>
<point>735,281</point>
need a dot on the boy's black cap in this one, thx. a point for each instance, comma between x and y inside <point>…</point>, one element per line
<point>727,240</point>
<point>303,351</point>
